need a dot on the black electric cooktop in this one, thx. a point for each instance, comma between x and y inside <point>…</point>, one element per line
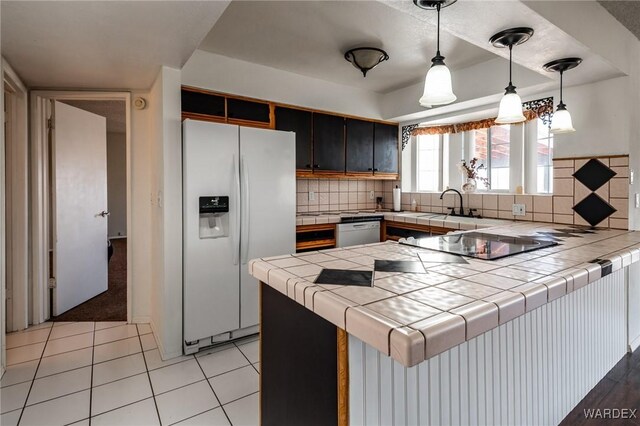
<point>481,246</point>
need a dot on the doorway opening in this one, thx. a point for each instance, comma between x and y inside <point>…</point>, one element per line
<point>110,305</point>
<point>82,202</point>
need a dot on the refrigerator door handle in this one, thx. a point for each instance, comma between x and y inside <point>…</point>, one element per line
<point>236,216</point>
<point>244,179</point>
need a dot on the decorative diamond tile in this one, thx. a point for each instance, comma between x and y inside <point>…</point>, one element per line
<point>594,174</point>
<point>594,209</point>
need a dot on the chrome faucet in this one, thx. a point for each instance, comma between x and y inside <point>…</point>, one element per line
<point>453,209</point>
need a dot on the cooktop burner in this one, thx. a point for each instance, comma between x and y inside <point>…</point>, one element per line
<point>481,246</point>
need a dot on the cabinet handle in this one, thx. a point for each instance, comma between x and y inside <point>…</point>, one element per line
<point>315,166</point>
<point>370,169</point>
<point>308,166</point>
<point>375,170</point>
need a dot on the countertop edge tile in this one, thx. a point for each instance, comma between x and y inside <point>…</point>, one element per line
<point>479,316</point>
<point>362,323</point>
<point>407,346</point>
<point>441,332</point>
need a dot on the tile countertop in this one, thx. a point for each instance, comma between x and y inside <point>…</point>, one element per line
<point>413,317</point>
<point>420,218</point>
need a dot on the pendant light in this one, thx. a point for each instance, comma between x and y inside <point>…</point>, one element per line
<point>437,84</point>
<point>561,120</point>
<point>510,110</point>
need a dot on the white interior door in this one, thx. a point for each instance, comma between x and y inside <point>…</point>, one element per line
<point>79,204</point>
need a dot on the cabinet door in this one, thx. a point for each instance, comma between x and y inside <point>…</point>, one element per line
<point>385,155</point>
<point>244,110</point>
<point>298,121</point>
<point>328,142</point>
<point>359,145</point>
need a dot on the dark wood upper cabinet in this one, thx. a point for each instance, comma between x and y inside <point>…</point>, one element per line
<point>203,103</point>
<point>328,143</point>
<point>300,122</point>
<point>241,109</point>
<point>385,154</point>
<point>359,145</point>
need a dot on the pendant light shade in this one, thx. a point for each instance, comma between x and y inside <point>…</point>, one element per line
<point>438,89</point>
<point>561,120</point>
<point>510,111</point>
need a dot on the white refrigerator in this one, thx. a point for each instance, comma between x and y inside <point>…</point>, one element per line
<point>251,174</point>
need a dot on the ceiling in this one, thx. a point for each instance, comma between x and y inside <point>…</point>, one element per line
<point>113,111</point>
<point>310,38</point>
<point>626,12</point>
<point>102,44</point>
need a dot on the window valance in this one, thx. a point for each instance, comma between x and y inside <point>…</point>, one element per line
<point>542,108</point>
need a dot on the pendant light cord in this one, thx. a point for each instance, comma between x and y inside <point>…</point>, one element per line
<point>561,72</point>
<point>510,62</point>
<point>438,38</point>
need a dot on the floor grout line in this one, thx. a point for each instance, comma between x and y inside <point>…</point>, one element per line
<point>93,354</point>
<point>155,403</point>
<point>196,415</point>
<point>246,357</point>
<point>33,380</point>
<point>214,392</point>
<point>122,406</point>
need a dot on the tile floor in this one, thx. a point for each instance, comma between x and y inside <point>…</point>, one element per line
<point>110,373</point>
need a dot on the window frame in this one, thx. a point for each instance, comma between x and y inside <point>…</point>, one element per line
<point>550,143</point>
<point>441,177</point>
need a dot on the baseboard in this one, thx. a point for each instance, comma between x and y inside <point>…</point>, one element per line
<point>634,344</point>
<point>141,320</point>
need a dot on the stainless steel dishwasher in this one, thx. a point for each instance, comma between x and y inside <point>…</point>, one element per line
<point>353,234</point>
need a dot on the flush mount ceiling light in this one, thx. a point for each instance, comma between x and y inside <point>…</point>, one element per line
<point>366,58</point>
<point>561,121</point>
<point>510,110</point>
<point>437,83</point>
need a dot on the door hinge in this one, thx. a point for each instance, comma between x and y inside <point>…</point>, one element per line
<point>52,283</point>
<point>49,123</point>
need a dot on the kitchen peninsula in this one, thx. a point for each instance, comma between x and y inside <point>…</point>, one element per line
<point>521,339</point>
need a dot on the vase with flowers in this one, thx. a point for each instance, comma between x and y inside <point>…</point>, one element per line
<point>470,171</point>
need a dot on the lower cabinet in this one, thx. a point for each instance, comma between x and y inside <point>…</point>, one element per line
<point>315,237</point>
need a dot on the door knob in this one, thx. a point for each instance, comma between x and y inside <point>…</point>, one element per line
<point>104,214</point>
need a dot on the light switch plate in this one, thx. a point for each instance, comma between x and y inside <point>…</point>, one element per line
<point>518,210</point>
<point>312,196</point>
<point>637,201</point>
<point>631,176</point>
<point>372,195</point>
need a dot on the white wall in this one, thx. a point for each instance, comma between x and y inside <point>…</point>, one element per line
<point>228,75</point>
<point>117,184</point>
<point>166,212</point>
<point>139,232</point>
<point>2,234</point>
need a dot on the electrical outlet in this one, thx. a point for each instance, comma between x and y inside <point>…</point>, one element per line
<point>312,196</point>
<point>518,210</point>
<point>372,195</point>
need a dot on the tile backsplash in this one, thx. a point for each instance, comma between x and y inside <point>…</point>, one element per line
<point>338,194</point>
<point>568,192</point>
